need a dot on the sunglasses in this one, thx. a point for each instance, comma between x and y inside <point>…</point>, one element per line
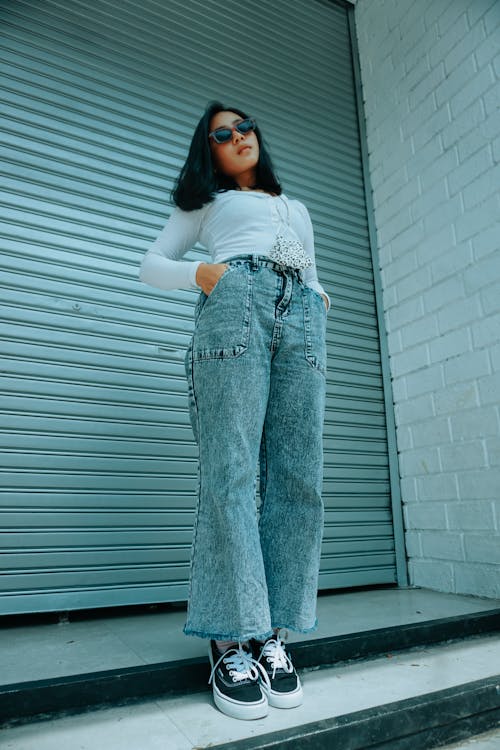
<point>223,135</point>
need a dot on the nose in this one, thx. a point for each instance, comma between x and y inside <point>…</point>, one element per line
<point>237,136</point>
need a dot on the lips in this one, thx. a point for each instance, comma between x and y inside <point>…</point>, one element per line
<point>240,150</point>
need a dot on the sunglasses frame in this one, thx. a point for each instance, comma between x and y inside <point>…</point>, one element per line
<point>232,128</point>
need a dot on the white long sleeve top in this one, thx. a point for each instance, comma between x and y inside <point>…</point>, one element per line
<point>237,222</point>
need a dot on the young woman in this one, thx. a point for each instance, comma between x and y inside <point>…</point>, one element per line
<point>256,368</point>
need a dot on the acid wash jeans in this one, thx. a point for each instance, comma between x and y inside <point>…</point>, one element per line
<point>256,372</point>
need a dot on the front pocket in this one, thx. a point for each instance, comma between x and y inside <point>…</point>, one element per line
<point>319,297</point>
<point>314,329</point>
<point>203,297</point>
<point>222,318</point>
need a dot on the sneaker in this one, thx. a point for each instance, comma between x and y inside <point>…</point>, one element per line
<point>236,685</point>
<point>282,687</point>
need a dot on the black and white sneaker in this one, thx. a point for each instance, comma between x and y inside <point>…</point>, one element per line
<point>236,685</point>
<point>282,687</point>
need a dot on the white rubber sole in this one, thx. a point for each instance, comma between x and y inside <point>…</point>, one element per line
<point>283,700</point>
<point>237,710</point>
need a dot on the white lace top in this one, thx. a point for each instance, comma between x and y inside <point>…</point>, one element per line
<point>237,222</point>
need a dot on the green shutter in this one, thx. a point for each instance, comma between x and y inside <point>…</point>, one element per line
<point>99,101</point>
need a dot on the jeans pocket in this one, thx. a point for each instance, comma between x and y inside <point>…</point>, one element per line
<point>222,318</point>
<point>315,329</point>
<point>319,297</point>
<point>192,406</point>
<point>203,297</point>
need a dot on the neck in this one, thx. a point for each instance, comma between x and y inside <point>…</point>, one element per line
<point>247,180</point>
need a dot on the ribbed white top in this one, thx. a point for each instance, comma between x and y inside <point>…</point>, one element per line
<point>237,222</point>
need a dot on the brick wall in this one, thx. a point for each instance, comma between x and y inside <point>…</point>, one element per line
<point>430,73</point>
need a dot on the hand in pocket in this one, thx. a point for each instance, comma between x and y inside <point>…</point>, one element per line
<point>208,274</point>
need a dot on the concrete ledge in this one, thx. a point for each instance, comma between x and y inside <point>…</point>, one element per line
<point>419,723</point>
<point>26,700</point>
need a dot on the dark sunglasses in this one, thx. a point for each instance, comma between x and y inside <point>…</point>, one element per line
<point>223,135</point>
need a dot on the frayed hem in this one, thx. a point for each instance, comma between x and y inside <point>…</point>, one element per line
<point>295,629</point>
<point>250,634</point>
<point>228,637</point>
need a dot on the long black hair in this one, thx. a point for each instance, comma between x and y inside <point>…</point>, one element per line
<point>198,183</point>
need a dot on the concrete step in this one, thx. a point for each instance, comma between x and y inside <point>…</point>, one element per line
<point>419,697</point>
<point>176,677</point>
<point>99,674</point>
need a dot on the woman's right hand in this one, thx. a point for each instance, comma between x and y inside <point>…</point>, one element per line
<point>208,274</point>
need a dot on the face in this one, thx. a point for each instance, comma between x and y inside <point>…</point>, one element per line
<point>238,157</point>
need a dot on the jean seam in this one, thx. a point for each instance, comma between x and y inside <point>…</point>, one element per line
<point>263,472</point>
<point>198,493</point>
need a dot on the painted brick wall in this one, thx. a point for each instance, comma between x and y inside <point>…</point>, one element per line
<point>430,72</point>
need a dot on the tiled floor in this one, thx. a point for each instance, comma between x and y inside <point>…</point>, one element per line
<point>192,721</point>
<point>33,652</point>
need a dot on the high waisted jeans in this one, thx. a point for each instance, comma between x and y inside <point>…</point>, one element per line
<point>256,367</point>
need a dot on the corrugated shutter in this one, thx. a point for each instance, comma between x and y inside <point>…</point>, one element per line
<point>99,101</point>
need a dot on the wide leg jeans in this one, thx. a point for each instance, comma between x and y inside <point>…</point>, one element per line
<point>256,369</point>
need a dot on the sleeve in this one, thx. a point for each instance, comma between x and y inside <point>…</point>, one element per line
<point>161,266</point>
<point>311,274</point>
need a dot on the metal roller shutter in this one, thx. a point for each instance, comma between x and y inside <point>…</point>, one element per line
<point>99,100</point>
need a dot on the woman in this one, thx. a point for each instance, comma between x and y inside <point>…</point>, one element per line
<point>256,367</point>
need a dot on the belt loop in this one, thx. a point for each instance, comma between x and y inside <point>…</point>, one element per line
<point>255,262</point>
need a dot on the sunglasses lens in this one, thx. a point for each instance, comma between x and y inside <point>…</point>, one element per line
<point>245,126</point>
<point>222,135</point>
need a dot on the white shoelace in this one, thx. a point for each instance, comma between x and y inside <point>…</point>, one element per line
<point>275,654</point>
<point>241,665</point>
